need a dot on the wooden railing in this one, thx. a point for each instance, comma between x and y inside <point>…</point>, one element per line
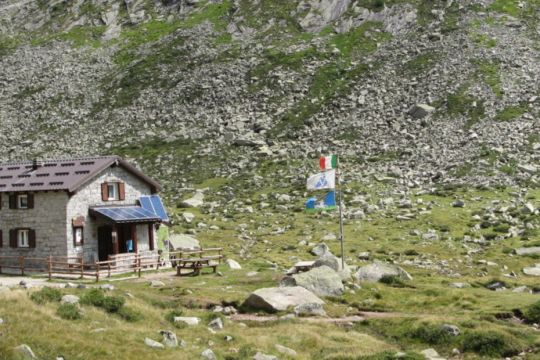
<point>63,265</point>
<point>182,254</point>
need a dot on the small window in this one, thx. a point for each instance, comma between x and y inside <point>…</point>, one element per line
<point>112,190</point>
<point>22,201</point>
<point>78,235</point>
<point>22,238</point>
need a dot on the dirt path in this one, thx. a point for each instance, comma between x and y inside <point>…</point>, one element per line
<point>342,320</point>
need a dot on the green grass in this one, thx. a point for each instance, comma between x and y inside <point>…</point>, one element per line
<point>512,112</point>
<point>509,7</point>
<point>421,63</point>
<point>461,103</point>
<point>490,73</point>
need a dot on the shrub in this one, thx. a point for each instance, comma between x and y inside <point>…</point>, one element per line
<point>113,304</point>
<point>393,281</point>
<point>129,314</point>
<point>491,343</point>
<point>47,294</point>
<point>431,334</point>
<point>93,297</point>
<point>68,312</point>
<point>532,313</point>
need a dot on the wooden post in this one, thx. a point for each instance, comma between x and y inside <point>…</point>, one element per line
<point>82,267</point>
<point>139,264</point>
<point>49,266</point>
<point>97,271</point>
<point>114,236</point>
<point>109,267</point>
<point>21,263</point>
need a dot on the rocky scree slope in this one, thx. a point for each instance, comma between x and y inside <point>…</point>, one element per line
<point>409,92</point>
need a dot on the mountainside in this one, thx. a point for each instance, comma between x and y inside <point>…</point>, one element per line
<point>409,92</point>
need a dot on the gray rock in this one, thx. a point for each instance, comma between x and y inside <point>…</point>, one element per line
<point>216,324</point>
<point>279,299</point>
<point>365,255</point>
<point>107,287</point>
<point>208,354</point>
<point>419,111</point>
<point>195,201</point>
<point>460,285</point>
<point>374,272</point>
<point>431,354</point>
<point>184,242</point>
<point>190,320</point>
<point>285,350</point>
<point>153,344</point>
<point>335,263</point>
<point>451,329</point>
<point>309,309</point>
<point>157,283</point>
<point>188,217</point>
<point>169,338</point>
<point>70,299</point>
<point>25,351</point>
<point>528,250</point>
<point>320,249</point>
<point>532,271</point>
<point>234,265</point>
<point>322,281</point>
<point>260,356</point>
<point>458,204</point>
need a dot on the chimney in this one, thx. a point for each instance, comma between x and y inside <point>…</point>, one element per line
<point>36,163</point>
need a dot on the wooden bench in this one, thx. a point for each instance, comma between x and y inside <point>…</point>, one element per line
<point>303,266</point>
<point>195,260</point>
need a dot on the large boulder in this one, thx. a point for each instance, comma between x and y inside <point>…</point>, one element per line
<point>335,263</point>
<point>195,201</point>
<point>532,271</point>
<point>184,242</point>
<point>280,298</point>
<point>322,281</point>
<point>376,271</point>
<point>528,250</point>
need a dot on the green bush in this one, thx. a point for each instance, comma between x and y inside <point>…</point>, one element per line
<point>129,314</point>
<point>113,304</point>
<point>532,313</point>
<point>393,281</point>
<point>491,343</point>
<point>93,297</point>
<point>68,312</point>
<point>47,294</point>
<point>431,334</point>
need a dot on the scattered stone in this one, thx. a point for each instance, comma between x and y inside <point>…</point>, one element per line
<point>532,271</point>
<point>25,351</point>
<point>184,242</point>
<point>157,283</point>
<point>374,272</point>
<point>107,287</point>
<point>216,324</point>
<point>320,249</point>
<point>365,255</point>
<point>70,299</point>
<point>458,204</point>
<point>260,356</point>
<point>309,309</point>
<point>196,200</point>
<point>419,111</point>
<point>208,354</point>
<point>279,299</point>
<point>169,338</point>
<point>528,250</point>
<point>460,285</point>
<point>234,265</point>
<point>521,289</point>
<point>153,344</point>
<point>329,237</point>
<point>187,319</point>
<point>333,262</point>
<point>431,354</point>
<point>188,217</point>
<point>285,350</point>
<point>451,329</point>
<point>228,338</point>
<point>322,281</point>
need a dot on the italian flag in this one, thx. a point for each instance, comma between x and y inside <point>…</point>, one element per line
<point>328,162</point>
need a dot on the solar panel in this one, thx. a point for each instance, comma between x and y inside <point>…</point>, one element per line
<point>127,213</point>
<point>154,204</point>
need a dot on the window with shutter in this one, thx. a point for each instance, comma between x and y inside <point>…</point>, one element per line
<point>13,238</point>
<point>121,191</point>
<point>104,192</point>
<point>31,238</point>
<point>30,201</point>
<point>12,201</point>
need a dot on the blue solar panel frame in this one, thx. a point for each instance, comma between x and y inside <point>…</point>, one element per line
<point>153,203</point>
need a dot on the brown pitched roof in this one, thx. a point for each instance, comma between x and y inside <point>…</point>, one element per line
<point>61,174</point>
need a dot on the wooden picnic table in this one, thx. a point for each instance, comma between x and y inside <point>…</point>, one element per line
<point>196,260</point>
<point>302,266</point>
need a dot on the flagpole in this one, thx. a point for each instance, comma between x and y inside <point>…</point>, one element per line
<point>340,212</point>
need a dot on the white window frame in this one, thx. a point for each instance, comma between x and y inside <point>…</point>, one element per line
<point>23,238</point>
<point>115,191</point>
<point>76,230</point>
<point>20,205</point>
